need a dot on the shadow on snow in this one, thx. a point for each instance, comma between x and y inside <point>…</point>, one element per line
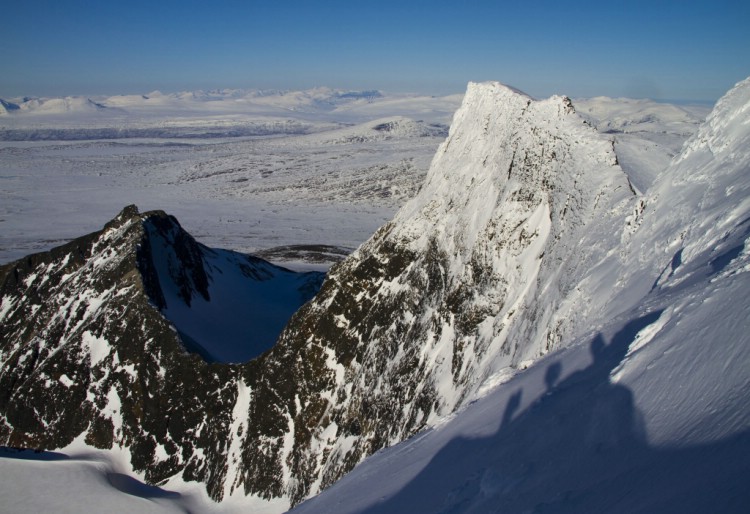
<point>581,447</point>
<point>122,482</point>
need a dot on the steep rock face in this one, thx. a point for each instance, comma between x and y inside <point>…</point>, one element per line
<point>88,349</point>
<point>84,351</point>
<point>479,272</point>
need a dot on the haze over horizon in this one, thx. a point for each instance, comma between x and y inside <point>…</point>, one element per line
<point>658,49</point>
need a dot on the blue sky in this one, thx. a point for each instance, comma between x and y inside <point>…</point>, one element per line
<point>658,49</point>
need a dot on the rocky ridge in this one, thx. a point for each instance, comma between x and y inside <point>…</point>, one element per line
<point>483,270</point>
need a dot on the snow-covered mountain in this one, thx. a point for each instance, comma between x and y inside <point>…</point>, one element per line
<point>398,127</point>
<point>112,339</point>
<point>526,234</point>
<point>518,205</point>
<point>647,410</point>
<point>527,257</point>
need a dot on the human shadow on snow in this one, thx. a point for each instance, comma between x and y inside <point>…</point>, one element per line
<point>581,447</point>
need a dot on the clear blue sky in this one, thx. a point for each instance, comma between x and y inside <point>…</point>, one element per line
<point>660,49</point>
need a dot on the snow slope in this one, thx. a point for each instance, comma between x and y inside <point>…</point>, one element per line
<point>228,307</point>
<point>78,477</point>
<point>70,484</point>
<point>647,412</point>
<point>567,436</point>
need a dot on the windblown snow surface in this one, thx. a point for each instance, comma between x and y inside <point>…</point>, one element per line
<point>643,411</point>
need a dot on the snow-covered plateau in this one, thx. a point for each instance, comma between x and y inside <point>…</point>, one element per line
<point>552,319</point>
<point>328,167</point>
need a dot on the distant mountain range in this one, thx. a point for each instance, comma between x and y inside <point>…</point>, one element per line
<point>237,100</point>
<point>210,114</point>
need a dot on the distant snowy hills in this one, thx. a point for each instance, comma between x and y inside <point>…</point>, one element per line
<point>543,327</point>
<point>320,99</point>
<point>7,107</point>
<point>218,113</point>
<point>647,134</point>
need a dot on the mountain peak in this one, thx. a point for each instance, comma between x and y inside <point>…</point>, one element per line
<point>499,92</point>
<point>128,213</point>
<point>506,150</point>
<point>646,309</point>
<point>520,202</point>
<point>121,350</point>
<point>724,128</point>
<point>494,88</point>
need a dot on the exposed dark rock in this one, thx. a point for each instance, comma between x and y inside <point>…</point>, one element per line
<point>86,351</point>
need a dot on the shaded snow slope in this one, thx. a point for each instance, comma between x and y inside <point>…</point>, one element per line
<point>584,430</point>
<point>76,484</point>
<point>647,412</point>
<point>77,477</point>
<point>227,306</point>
